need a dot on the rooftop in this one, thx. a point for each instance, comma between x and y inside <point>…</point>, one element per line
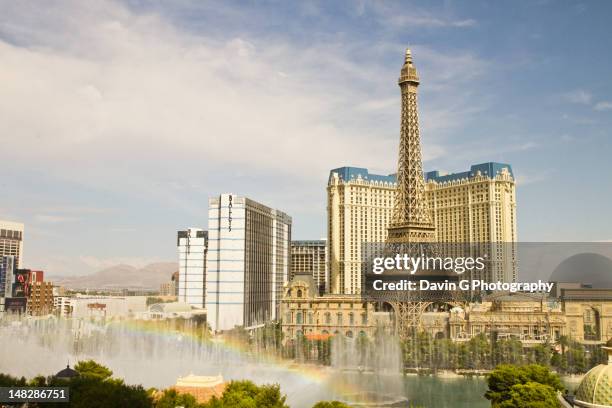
<point>489,169</point>
<point>353,173</point>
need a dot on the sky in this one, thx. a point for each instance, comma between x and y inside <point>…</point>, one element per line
<point>118,120</point>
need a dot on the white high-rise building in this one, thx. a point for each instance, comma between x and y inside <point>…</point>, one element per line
<point>248,262</point>
<point>192,248</point>
<point>11,240</point>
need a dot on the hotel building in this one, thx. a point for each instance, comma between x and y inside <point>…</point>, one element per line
<point>359,209</point>
<point>7,269</point>
<point>310,257</point>
<point>476,206</point>
<point>248,262</point>
<point>192,250</point>
<point>40,300</point>
<point>11,240</point>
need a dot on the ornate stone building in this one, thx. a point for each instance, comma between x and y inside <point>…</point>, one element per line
<point>529,318</point>
<point>305,312</point>
<point>581,314</point>
<point>588,313</point>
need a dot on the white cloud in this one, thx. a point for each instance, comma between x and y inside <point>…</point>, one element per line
<point>133,90</point>
<point>578,96</point>
<point>603,106</point>
<point>398,15</point>
<point>54,219</point>
<point>524,179</point>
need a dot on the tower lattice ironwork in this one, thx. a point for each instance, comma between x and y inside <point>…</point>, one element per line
<point>411,220</point>
<point>411,230</point>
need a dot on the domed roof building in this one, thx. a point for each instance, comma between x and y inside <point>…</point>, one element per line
<point>589,268</point>
<point>67,373</point>
<point>595,389</point>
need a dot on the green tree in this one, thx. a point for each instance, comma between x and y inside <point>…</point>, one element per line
<point>172,399</point>
<point>542,354</point>
<point>330,404</point>
<point>94,392</point>
<point>530,395</point>
<point>90,368</point>
<point>10,381</point>
<point>245,394</point>
<point>505,377</point>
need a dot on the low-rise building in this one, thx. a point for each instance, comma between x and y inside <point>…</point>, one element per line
<point>202,388</point>
<point>101,307</point>
<point>581,314</point>
<point>526,317</point>
<point>305,312</point>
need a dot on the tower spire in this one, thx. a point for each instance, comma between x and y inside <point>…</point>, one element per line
<point>411,220</point>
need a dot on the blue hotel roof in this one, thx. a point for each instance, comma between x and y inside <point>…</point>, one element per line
<point>490,169</point>
<point>352,173</point>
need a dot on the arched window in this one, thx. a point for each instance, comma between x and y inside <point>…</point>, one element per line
<point>327,318</point>
<point>591,319</point>
<point>351,318</point>
<point>339,318</point>
<point>299,318</point>
<point>299,293</point>
<point>364,319</point>
<point>349,334</point>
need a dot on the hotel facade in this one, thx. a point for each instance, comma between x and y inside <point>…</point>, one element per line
<point>476,206</point>
<point>311,257</point>
<point>11,241</point>
<point>248,262</point>
<point>192,250</point>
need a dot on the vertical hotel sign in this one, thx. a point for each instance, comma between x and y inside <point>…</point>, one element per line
<point>229,213</point>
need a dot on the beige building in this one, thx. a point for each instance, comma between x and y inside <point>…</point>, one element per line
<point>359,209</point>
<point>477,206</point>
<point>310,256</point>
<point>588,313</point>
<point>202,388</point>
<point>305,312</point>
<point>532,319</point>
<point>525,317</point>
<point>167,288</point>
<point>11,241</point>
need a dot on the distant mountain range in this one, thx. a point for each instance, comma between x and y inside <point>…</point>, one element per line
<point>121,277</point>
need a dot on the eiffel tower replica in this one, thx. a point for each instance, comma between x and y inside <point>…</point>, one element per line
<point>411,230</point>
